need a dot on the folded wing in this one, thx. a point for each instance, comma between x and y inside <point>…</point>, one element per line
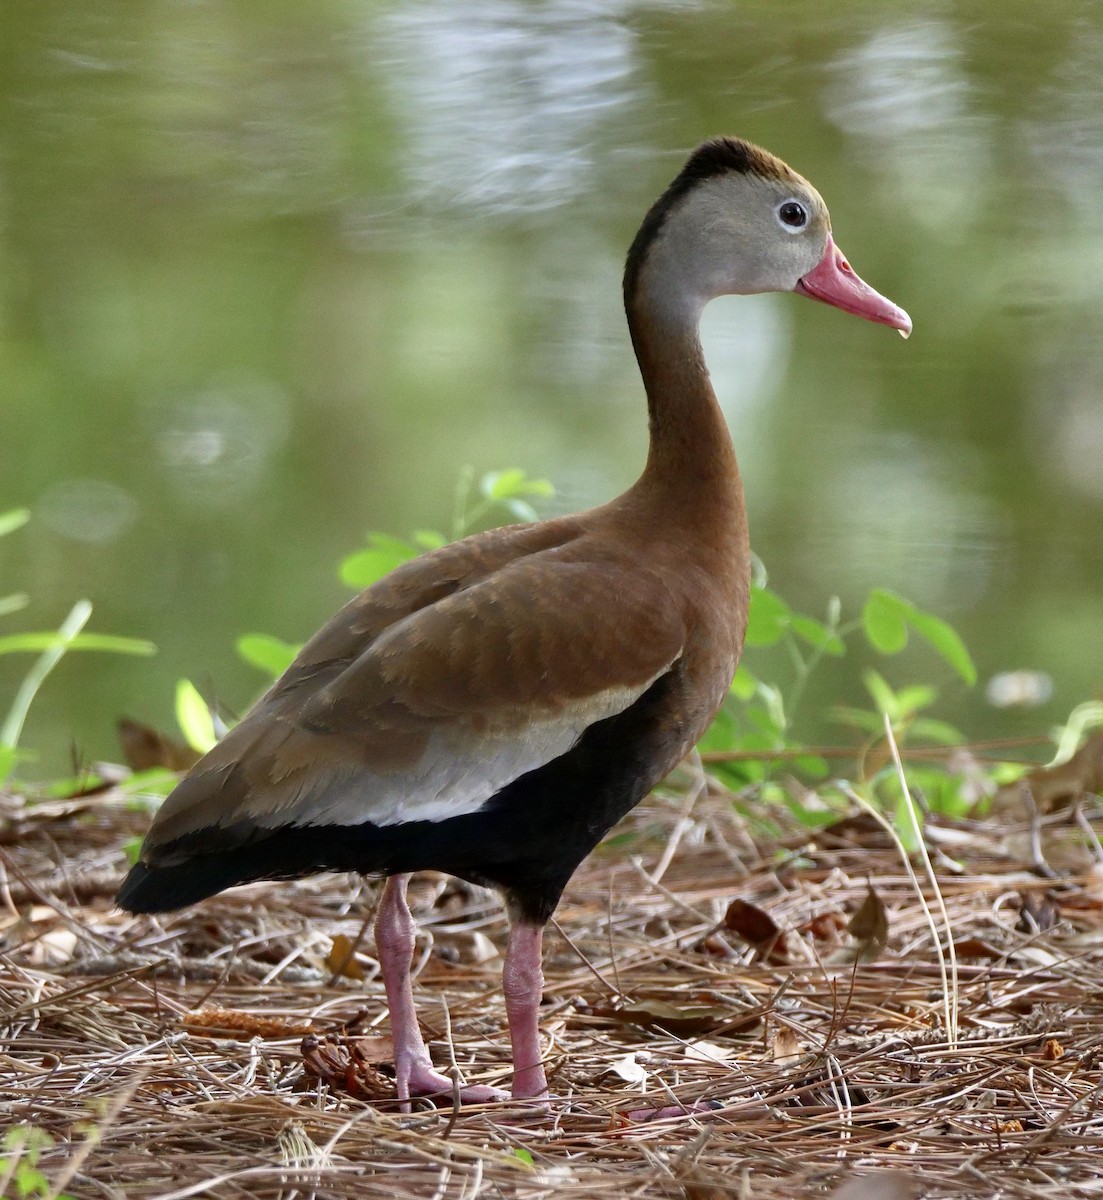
<point>430,716</point>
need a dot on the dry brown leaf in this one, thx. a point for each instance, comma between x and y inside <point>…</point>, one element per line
<point>707,1191</point>
<point>757,928</point>
<point>341,959</point>
<point>870,926</point>
<point>144,747</point>
<point>715,945</point>
<point>858,830</point>
<point>975,947</point>
<point>753,924</point>
<point>1053,1050</point>
<point>825,927</point>
<point>1056,787</point>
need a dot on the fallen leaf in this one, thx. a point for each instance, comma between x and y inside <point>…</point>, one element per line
<point>756,927</point>
<point>1053,1050</point>
<point>858,830</point>
<point>144,747</point>
<point>482,948</point>
<point>870,926</point>
<point>707,1052</point>
<point>54,947</point>
<point>628,1069</point>
<point>341,959</point>
<point>753,924</point>
<point>1059,786</point>
<point>824,927</point>
<point>714,944</point>
<point>975,947</point>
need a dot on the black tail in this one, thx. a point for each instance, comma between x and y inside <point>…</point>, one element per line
<point>161,889</point>
<point>211,860</point>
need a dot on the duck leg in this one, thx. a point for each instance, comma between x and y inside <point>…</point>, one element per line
<point>523,983</point>
<point>415,1075</point>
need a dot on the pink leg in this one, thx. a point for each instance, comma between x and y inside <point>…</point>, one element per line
<point>394,940</point>
<point>522,983</point>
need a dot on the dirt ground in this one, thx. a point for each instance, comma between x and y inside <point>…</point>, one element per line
<point>791,979</point>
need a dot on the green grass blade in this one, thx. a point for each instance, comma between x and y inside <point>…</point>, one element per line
<point>33,643</point>
<point>36,676</point>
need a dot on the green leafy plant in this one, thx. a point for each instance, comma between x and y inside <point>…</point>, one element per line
<point>510,491</point>
<point>755,737</point>
<point>50,648</point>
<point>20,1151</point>
<point>194,717</point>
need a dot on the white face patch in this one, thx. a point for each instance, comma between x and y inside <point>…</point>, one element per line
<point>727,237</point>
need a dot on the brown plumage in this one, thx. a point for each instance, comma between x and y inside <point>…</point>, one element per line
<point>493,708</point>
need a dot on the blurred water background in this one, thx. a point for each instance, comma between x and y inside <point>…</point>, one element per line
<point>272,273</point>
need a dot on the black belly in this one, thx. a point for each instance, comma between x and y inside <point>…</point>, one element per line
<point>527,840</point>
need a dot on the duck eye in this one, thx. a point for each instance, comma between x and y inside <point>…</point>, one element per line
<point>792,215</point>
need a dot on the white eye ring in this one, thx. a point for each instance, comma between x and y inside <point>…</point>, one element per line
<point>792,215</point>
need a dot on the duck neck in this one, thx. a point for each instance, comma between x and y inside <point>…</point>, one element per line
<point>690,461</point>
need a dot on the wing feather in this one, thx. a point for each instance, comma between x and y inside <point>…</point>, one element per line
<point>436,712</point>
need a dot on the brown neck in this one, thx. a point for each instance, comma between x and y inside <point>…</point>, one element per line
<point>691,467</point>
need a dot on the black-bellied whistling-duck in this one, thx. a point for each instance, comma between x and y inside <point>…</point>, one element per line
<point>492,708</point>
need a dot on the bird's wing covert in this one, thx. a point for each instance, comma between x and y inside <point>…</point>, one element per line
<point>446,706</point>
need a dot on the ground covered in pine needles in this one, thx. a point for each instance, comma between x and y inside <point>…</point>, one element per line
<point>790,978</point>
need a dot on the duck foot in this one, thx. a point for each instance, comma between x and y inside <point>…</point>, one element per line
<point>422,1080</point>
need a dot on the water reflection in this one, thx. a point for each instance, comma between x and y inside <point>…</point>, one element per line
<point>905,93</point>
<point>87,510</point>
<point>1066,136</point>
<point>217,446</point>
<point>501,105</point>
<point>908,510</point>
